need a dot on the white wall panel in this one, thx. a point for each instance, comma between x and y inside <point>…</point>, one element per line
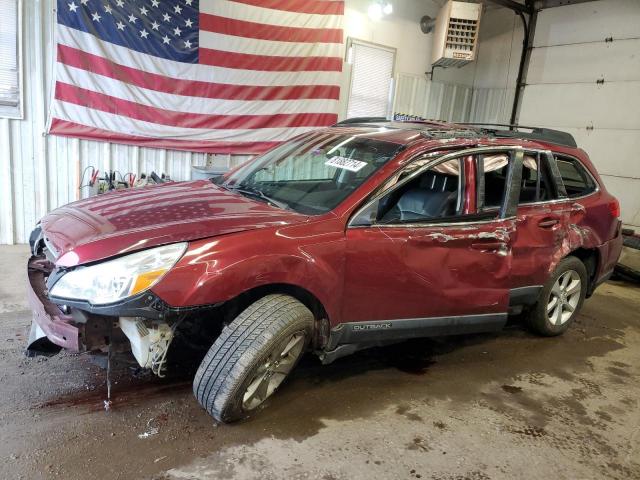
<point>626,191</point>
<point>576,46</point>
<point>610,150</point>
<point>612,105</point>
<point>588,22</point>
<point>616,61</point>
<point>491,105</point>
<point>415,95</point>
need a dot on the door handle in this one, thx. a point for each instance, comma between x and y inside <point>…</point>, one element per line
<point>548,222</point>
<point>491,245</point>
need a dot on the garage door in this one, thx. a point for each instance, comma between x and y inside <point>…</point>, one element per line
<point>584,77</point>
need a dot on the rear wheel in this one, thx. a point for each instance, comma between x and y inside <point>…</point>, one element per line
<point>252,357</point>
<point>561,298</point>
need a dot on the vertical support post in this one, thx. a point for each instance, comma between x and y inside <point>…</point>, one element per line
<point>527,46</point>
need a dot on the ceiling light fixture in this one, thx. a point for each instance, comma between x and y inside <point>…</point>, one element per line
<point>378,9</point>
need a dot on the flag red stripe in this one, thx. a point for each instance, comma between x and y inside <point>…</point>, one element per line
<point>262,31</point>
<point>192,88</point>
<point>117,106</point>
<point>76,130</point>
<point>245,61</point>
<point>319,7</point>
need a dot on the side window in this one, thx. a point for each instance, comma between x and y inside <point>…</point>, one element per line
<point>536,184</point>
<point>491,180</point>
<point>434,195</point>
<point>576,180</point>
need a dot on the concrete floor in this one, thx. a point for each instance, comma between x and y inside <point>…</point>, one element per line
<point>507,405</point>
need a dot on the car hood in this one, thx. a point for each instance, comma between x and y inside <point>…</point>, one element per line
<point>128,220</point>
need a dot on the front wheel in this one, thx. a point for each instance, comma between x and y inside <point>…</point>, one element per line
<point>252,357</point>
<point>560,299</point>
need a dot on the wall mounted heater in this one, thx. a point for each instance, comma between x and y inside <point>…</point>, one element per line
<point>455,36</point>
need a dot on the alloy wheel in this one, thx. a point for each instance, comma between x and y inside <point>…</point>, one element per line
<point>564,297</point>
<point>274,370</point>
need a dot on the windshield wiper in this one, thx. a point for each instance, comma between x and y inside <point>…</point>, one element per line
<point>257,193</point>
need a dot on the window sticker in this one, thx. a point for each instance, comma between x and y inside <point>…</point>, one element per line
<point>345,163</point>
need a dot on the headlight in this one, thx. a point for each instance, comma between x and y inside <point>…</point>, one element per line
<point>123,277</point>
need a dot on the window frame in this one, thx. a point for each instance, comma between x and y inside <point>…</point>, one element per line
<point>439,220</point>
<point>392,87</point>
<point>555,181</point>
<point>581,166</point>
<point>506,211</point>
<point>17,112</point>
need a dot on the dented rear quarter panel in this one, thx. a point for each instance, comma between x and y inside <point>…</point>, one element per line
<point>585,223</point>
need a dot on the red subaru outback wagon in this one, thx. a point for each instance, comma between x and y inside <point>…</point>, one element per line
<point>362,234</point>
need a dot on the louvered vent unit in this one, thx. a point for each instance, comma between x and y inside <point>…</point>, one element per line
<point>455,37</point>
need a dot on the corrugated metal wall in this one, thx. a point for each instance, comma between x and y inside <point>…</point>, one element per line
<point>415,95</point>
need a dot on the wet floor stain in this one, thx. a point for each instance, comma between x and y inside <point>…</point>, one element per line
<point>511,389</point>
<point>529,431</point>
<point>127,396</point>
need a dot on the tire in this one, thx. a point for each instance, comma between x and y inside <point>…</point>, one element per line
<point>252,349</point>
<point>568,270</point>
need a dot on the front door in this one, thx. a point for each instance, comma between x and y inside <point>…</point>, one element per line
<point>429,263</point>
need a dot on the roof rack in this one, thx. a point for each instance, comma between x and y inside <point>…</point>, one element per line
<point>440,130</point>
<point>350,121</point>
<point>537,133</point>
<point>441,134</point>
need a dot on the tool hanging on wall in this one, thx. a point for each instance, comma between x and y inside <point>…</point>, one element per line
<point>114,180</point>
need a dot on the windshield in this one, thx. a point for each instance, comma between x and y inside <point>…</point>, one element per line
<point>313,174</point>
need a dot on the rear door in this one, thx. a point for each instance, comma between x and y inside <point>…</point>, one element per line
<point>419,272</point>
<point>542,221</point>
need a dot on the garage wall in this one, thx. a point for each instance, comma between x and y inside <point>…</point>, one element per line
<point>416,95</point>
<point>39,173</point>
<point>480,91</point>
<point>584,77</point>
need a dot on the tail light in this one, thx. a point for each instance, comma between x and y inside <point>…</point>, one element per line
<point>614,208</point>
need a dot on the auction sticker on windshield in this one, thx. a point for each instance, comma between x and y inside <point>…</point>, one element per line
<point>346,163</point>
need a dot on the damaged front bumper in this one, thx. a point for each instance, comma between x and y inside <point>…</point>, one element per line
<point>143,324</point>
<point>48,319</point>
<point>78,326</point>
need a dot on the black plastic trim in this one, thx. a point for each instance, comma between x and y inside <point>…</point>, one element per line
<point>147,305</point>
<point>514,177</point>
<point>349,337</point>
<point>524,295</point>
<point>353,120</point>
<point>382,330</point>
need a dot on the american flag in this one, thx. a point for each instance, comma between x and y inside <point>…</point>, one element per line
<point>215,76</point>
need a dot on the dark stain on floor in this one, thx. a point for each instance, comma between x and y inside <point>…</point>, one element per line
<point>511,389</point>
